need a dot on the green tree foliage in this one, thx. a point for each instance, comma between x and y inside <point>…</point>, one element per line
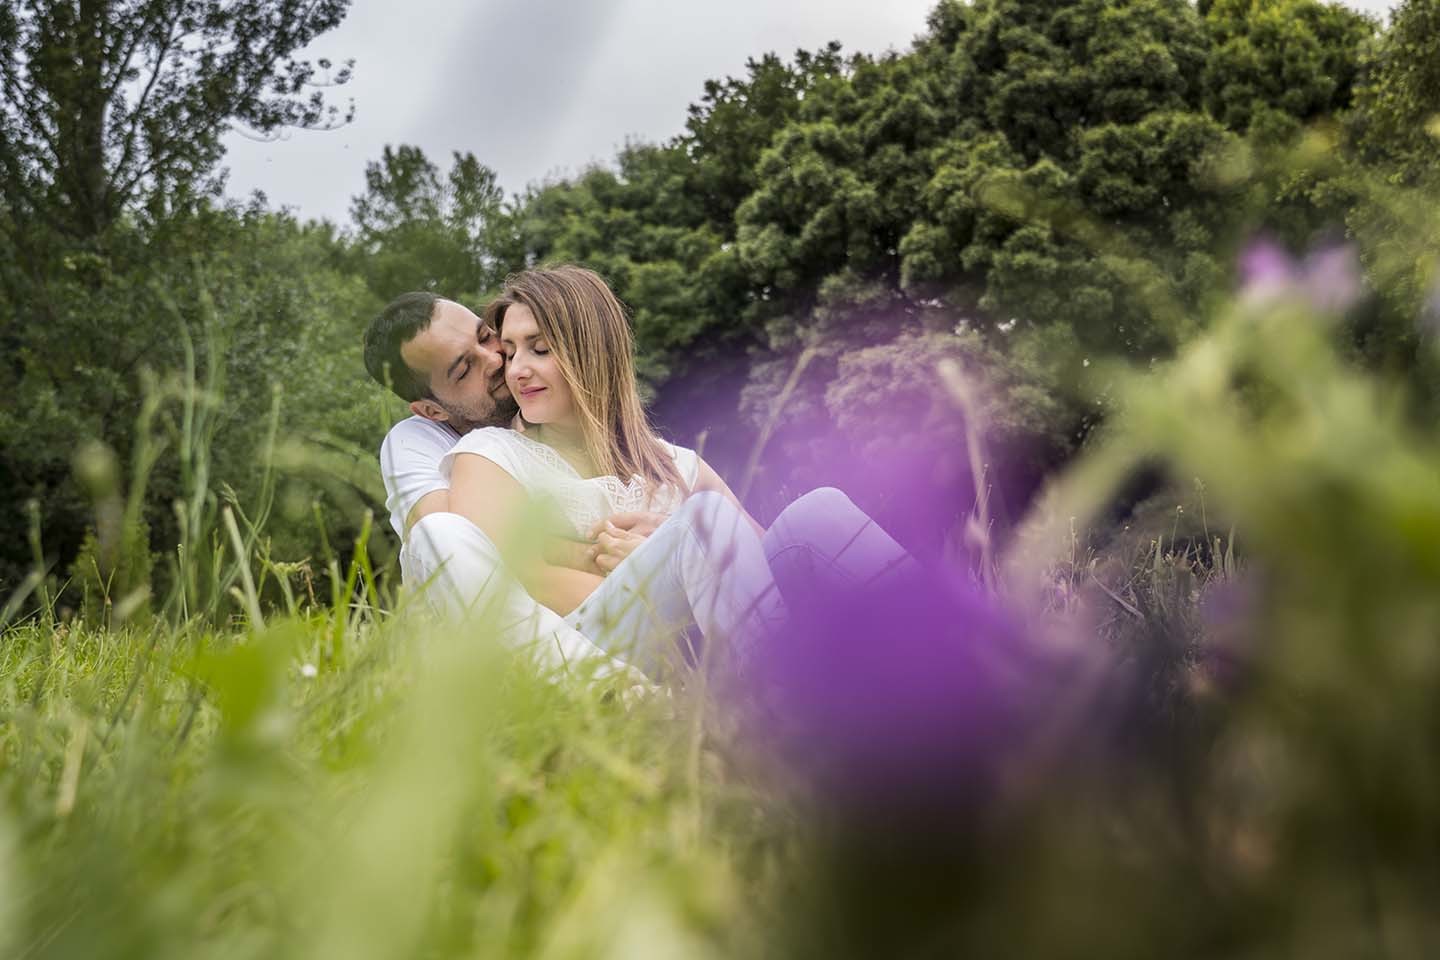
<point>265,305</point>
<point>1278,63</point>
<point>1025,168</point>
<point>1398,115</point>
<point>736,119</point>
<point>417,230</point>
<point>112,114</point>
<point>111,105</point>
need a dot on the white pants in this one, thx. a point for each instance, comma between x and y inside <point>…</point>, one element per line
<point>704,566</point>
<point>461,576</point>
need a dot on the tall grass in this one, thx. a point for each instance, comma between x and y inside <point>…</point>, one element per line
<point>255,770</point>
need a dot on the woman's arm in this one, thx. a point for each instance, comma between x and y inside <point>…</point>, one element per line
<point>495,502</point>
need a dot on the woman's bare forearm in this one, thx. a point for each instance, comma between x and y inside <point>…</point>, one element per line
<point>559,588</point>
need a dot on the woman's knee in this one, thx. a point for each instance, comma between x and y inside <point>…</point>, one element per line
<point>815,516</point>
<point>827,502</point>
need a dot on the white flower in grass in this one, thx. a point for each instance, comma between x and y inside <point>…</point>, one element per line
<point>308,671</point>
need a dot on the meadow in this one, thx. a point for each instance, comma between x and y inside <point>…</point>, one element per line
<point>1122,313</point>
<point>1215,750</point>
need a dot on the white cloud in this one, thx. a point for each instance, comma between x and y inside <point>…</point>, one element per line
<point>536,88</point>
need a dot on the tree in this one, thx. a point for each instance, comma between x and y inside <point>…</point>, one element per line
<point>112,114</point>
<point>1281,63</point>
<point>1397,116</point>
<point>737,118</point>
<point>108,105</point>
<point>417,230</point>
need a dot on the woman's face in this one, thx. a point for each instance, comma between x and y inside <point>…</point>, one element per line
<point>531,372</point>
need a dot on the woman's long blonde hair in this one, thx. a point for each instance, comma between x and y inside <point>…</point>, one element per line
<point>589,336</point>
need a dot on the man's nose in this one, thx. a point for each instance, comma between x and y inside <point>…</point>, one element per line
<point>492,360</point>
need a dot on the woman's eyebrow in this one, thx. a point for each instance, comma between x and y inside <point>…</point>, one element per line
<point>529,338</point>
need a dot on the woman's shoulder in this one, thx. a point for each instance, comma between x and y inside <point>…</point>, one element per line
<point>500,445</point>
<point>687,461</point>
<point>483,440</point>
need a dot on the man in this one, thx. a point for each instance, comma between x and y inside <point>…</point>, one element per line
<point>446,363</point>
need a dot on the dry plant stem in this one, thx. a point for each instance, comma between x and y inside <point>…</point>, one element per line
<point>249,597</point>
<point>752,463</point>
<point>964,397</point>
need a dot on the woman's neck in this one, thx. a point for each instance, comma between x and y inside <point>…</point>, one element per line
<point>566,440</point>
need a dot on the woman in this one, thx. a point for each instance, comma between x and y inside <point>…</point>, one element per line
<point>581,451</point>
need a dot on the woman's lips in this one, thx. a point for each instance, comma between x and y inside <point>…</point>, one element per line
<point>528,392</point>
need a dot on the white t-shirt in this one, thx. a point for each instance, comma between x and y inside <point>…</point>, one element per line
<point>410,465</point>
<point>582,501</point>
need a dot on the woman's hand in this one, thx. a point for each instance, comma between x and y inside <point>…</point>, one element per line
<point>640,522</point>
<point>612,545</point>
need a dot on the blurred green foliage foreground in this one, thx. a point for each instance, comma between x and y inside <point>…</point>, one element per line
<point>224,732</point>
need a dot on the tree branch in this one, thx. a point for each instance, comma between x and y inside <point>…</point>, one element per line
<point>136,115</point>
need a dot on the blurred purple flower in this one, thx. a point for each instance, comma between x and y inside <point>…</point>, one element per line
<point>1328,278</point>
<point>1229,610</point>
<point>905,700</point>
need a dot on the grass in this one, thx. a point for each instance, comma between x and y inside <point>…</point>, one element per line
<point>237,767</point>
<point>186,792</point>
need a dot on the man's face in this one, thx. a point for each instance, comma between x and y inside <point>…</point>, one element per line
<point>461,355</point>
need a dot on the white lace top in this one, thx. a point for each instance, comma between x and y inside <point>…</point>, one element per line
<point>582,501</point>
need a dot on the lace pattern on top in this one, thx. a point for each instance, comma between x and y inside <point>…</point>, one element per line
<point>583,501</point>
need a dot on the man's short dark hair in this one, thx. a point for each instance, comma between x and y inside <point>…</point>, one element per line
<point>402,320</point>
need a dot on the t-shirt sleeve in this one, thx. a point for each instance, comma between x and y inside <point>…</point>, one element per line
<point>494,444</point>
<point>410,466</point>
<point>687,461</point>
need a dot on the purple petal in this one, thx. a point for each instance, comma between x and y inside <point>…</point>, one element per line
<point>1331,278</point>
<point>1265,266</point>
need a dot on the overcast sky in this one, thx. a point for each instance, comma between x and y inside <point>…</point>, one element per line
<point>540,88</point>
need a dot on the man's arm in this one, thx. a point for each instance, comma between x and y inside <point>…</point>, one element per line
<point>495,502</point>
<point>436,501</point>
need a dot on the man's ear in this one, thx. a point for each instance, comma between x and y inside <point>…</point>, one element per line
<point>430,410</point>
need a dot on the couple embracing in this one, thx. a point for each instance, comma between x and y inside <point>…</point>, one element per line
<point>530,490</point>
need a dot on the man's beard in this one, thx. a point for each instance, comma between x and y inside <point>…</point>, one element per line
<point>501,412</point>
